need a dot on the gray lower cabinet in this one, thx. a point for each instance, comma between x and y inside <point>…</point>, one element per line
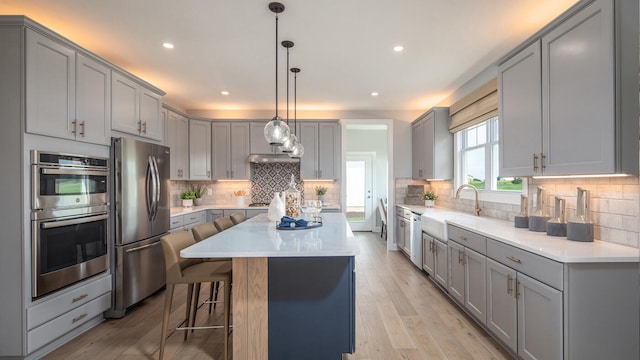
<point>466,270</point>
<point>434,259</point>
<point>524,313</point>
<point>186,221</point>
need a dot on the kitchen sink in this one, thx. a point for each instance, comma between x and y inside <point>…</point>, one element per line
<point>434,222</point>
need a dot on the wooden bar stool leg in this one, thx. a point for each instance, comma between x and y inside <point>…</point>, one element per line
<point>188,308</point>
<point>168,298</point>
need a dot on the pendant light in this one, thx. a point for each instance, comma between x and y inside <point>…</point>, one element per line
<point>276,131</point>
<point>298,149</point>
<point>289,143</point>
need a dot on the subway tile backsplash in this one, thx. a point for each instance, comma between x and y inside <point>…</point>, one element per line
<point>615,203</point>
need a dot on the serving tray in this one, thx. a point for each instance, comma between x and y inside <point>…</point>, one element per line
<point>310,225</point>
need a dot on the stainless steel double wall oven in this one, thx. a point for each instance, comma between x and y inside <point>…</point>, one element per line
<point>69,219</point>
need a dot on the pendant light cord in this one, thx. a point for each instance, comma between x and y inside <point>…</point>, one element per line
<point>276,66</point>
<point>287,72</point>
<point>295,103</point>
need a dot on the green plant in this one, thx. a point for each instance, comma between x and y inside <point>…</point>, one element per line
<point>186,195</point>
<point>320,190</point>
<point>429,195</point>
<point>198,190</point>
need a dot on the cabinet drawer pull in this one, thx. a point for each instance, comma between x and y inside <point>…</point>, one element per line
<point>75,320</point>
<point>535,163</point>
<point>74,300</point>
<point>139,126</point>
<point>514,259</point>
<point>509,282</point>
<point>542,165</point>
<point>462,237</point>
<point>75,126</point>
<point>460,256</point>
<point>517,288</point>
<point>82,129</point>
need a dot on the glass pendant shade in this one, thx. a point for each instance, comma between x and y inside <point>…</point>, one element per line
<point>276,132</point>
<point>298,151</point>
<point>289,144</point>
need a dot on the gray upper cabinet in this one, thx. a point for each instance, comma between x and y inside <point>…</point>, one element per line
<point>93,101</point>
<point>520,113</point>
<point>230,143</point>
<point>432,146</point>
<point>321,141</point>
<point>135,109</point>
<point>199,150</point>
<point>563,99</point>
<point>68,94</point>
<point>178,140</point>
<point>258,144</point>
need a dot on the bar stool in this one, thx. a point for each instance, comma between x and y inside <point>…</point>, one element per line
<point>191,271</point>
<point>237,218</point>
<point>223,223</point>
<point>201,232</point>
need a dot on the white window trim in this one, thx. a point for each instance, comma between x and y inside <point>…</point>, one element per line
<point>501,197</point>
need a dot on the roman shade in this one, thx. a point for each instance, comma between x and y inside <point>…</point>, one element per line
<point>480,105</point>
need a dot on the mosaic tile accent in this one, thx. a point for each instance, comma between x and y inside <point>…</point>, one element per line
<point>266,179</point>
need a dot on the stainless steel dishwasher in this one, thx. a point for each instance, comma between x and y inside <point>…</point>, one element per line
<point>409,235</point>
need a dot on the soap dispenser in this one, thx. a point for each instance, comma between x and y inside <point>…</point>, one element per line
<point>581,228</point>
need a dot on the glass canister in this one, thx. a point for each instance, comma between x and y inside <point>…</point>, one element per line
<point>292,199</point>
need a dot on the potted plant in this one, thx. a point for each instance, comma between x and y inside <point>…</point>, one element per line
<point>429,198</point>
<point>320,191</point>
<point>187,198</point>
<point>198,191</point>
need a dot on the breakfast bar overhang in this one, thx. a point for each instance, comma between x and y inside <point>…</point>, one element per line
<point>293,290</point>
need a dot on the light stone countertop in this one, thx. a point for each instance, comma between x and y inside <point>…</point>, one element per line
<point>258,237</point>
<point>181,210</point>
<point>555,248</point>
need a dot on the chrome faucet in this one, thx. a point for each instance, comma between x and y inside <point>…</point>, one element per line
<point>477,210</point>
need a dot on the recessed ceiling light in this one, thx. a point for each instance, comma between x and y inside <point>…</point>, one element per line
<point>374,94</point>
<point>167,45</point>
<point>225,93</point>
<point>398,48</point>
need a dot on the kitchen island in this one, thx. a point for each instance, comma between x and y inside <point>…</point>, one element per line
<point>293,290</point>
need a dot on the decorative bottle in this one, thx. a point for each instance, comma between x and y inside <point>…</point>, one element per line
<point>292,199</point>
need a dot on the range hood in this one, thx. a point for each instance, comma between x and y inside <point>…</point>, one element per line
<point>271,158</point>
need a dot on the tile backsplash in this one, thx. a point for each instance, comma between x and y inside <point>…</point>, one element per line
<point>266,179</point>
<point>615,203</point>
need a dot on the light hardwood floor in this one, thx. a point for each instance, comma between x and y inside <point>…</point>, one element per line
<point>401,314</point>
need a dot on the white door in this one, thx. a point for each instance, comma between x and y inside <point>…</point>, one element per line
<point>360,191</point>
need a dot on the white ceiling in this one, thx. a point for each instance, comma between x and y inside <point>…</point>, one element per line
<point>344,47</point>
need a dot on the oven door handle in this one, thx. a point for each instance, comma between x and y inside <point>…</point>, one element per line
<point>82,220</point>
<point>56,171</point>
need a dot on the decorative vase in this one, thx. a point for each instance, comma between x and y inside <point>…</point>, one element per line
<point>239,200</point>
<point>429,203</point>
<point>187,202</point>
<point>321,197</point>
<point>197,201</point>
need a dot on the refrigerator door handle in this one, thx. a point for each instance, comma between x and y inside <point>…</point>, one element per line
<point>149,184</point>
<point>156,187</point>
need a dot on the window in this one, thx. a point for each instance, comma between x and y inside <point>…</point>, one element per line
<point>478,158</point>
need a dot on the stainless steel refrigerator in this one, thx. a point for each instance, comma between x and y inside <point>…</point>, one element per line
<point>141,209</point>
